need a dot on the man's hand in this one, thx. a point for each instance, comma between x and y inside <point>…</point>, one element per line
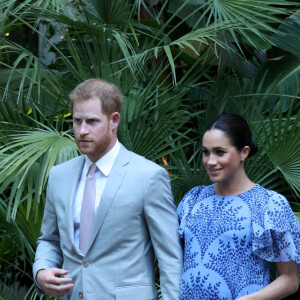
<point>51,282</point>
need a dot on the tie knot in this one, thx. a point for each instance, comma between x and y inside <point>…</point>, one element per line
<point>92,170</point>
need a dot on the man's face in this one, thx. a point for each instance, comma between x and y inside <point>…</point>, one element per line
<point>95,132</point>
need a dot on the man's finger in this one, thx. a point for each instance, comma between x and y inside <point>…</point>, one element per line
<point>59,280</point>
<point>58,290</point>
<point>58,272</point>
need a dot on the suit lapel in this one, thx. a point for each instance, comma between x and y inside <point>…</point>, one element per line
<point>71,186</point>
<point>113,184</point>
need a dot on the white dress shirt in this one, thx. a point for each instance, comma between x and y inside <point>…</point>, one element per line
<point>104,165</point>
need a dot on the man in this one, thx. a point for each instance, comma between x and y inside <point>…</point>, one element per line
<point>102,231</point>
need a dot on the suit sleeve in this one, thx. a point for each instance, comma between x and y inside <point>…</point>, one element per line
<point>161,218</point>
<point>48,253</point>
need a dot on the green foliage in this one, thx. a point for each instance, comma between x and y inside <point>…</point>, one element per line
<point>178,64</point>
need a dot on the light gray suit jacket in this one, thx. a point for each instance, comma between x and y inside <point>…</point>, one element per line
<point>136,221</point>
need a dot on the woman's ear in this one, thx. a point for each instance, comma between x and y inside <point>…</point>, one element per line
<point>245,152</point>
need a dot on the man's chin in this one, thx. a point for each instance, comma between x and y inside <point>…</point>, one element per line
<point>85,150</point>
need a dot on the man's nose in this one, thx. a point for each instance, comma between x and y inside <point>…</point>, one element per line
<point>83,128</point>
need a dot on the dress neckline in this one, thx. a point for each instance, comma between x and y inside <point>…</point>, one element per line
<point>235,195</point>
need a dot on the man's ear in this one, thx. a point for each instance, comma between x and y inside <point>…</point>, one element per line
<point>115,120</point>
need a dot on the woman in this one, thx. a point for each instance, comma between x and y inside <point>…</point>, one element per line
<point>233,228</point>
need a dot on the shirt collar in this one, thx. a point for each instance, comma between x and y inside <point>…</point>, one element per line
<point>105,163</point>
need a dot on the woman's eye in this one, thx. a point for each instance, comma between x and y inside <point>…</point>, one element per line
<point>205,152</point>
<point>220,152</point>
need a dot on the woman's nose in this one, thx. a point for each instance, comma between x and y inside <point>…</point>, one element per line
<point>211,160</point>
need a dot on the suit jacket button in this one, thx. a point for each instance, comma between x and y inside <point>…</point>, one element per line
<point>80,294</point>
<point>86,264</point>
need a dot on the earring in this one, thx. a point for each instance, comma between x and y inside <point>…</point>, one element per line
<point>243,159</point>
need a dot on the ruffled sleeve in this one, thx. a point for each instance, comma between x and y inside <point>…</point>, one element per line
<point>275,229</point>
<point>185,206</point>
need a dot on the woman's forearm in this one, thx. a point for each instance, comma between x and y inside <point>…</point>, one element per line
<point>285,284</point>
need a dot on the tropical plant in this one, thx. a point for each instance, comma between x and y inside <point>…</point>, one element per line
<point>178,64</point>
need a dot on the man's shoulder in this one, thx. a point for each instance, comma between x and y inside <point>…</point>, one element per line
<point>143,167</point>
<point>141,160</point>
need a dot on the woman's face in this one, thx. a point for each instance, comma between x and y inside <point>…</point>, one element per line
<point>221,159</point>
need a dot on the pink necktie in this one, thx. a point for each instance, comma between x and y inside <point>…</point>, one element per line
<point>87,209</point>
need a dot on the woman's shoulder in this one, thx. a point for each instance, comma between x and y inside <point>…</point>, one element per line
<point>201,189</point>
<point>269,209</point>
<point>194,195</point>
<point>187,203</point>
<point>275,229</point>
<point>199,192</point>
<point>261,197</point>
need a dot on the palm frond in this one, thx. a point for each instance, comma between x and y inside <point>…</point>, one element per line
<point>188,172</point>
<point>289,37</point>
<point>279,137</point>
<point>26,162</point>
<point>257,17</point>
<point>150,121</point>
<point>15,6</point>
<point>23,238</point>
<point>108,11</point>
<point>282,74</point>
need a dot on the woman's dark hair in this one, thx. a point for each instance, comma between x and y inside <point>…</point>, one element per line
<point>236,128</point>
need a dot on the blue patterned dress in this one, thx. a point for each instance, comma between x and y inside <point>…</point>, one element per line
<point>229,240</point>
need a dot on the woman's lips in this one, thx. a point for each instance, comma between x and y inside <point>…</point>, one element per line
<point>214,171</point>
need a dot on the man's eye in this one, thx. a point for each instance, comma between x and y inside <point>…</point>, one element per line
<point>76,120</point>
